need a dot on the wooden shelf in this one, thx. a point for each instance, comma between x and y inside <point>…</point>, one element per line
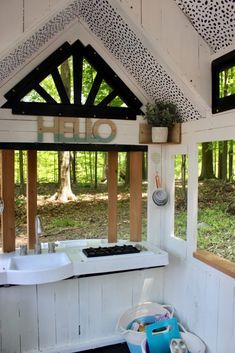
<point>145,134</point>
<point>215,261</point>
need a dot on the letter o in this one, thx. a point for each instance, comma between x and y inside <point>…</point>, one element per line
<point>95,130</point>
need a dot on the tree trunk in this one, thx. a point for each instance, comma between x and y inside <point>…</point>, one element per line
<point>183,176</point>
<point>64,192</point>
<point>86,172</point>
<point>223,154</point>
<point>90,167</point>
<point>59,165</point>
<point>105,167</point>
<point>74,176</point>
<point>21,172</point>
<point>207,161</point>
<point>96,166</point>
<point>230,153</point>
<point>127,173</point>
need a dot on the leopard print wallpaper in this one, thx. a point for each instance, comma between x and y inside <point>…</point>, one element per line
<point>115,34</point>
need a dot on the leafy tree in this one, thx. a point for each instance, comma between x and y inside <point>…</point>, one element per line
<point>64,192</point>
<point>230,152</point>
<point>227,82</point>
<point>207,161</point>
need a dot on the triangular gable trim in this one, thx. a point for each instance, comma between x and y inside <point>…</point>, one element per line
<point>50,107</point>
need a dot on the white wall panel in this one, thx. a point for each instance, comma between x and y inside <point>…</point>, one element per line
<point>34,10</point>
<point>46,316</point>
<point>91,314</point>
<point>11,12</point>
<point>152,18</point>
<point>204,303</point>
<point>66,308</point>
<point>18,317</point>
<point>58,314</point>
<point>226,317</point>
<point>104,299</point>
<point>24,129</point>
<point>74,314</point>
<point>166,27</point>
<point>204,298</point>
<point>133,8</point>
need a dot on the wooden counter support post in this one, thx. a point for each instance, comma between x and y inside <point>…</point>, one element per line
<point>112,196</point>
<point>7,194</point>
<point>31,196</point>
<point>135,195</point>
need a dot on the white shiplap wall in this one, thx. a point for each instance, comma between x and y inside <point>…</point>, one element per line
<point>168,29</point>
<point>24,14</point>
<point>74,314</point>
<point>204,298</point>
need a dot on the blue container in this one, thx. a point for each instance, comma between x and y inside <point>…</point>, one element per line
<point>137,348</point>
<point>145,320</point>
<point>160,334</point>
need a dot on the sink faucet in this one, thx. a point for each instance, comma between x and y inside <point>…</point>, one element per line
<point>38,232</point>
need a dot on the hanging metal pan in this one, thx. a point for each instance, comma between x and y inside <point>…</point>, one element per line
<point>160,196</point>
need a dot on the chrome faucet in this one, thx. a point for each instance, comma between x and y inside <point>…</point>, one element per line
<point>38,232</point>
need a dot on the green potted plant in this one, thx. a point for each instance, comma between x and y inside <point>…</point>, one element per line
<point>161,115</point>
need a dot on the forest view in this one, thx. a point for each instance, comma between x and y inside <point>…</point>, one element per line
<point>72,186</point>
<point>216,200</point>
<point>84,214</point>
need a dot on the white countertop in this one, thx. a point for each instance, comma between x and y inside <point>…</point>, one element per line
<point>45,268</point>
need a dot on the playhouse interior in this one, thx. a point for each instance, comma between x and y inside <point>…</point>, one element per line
<point>60,300</point>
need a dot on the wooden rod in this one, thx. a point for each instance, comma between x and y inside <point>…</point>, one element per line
<point>31,196</point>
<point>112,196</point>
<point>8,193</point>
<point>135,195</point>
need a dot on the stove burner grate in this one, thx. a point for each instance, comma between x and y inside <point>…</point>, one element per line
<point>110,250</point>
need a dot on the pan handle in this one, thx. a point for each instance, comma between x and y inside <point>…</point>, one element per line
<point>157,181</point>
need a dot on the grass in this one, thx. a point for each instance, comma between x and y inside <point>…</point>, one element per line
<point>87,218</point>
<point>216,225</point>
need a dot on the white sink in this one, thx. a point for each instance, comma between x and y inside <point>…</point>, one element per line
<point>37,269</point>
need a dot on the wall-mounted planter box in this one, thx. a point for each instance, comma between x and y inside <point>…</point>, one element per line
<point>145,134</point>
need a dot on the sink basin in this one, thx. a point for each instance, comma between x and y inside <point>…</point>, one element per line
<point>37,269</point>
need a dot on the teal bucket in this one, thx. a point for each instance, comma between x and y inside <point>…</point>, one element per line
<point>142,314</point>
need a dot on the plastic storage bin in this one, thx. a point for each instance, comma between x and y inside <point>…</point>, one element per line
<point>142,313</point>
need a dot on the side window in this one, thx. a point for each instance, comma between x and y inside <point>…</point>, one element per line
<point>181,191</point>
<point>216,203</point>
<point>223,83</point>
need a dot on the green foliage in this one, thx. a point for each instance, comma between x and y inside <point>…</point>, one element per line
<point>33,96</point>
<point>227,82</point>
<point>180,230</point>
<point>216,231</point>
<point>62,222</point>
<point>66,72</point>
<point>47,166</point>
<point>161,114</point>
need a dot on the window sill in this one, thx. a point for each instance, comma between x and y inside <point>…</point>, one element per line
<point>215,261</point>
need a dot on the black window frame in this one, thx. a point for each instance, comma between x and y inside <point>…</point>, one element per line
<point>225,103</point>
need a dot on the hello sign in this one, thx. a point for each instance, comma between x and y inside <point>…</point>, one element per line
<point>76,129</point>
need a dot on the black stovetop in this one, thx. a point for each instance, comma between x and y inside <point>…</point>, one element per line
<point>110,250</point>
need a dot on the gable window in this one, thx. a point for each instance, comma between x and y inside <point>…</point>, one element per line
<point>74,81</point>
<point>223,83</point>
